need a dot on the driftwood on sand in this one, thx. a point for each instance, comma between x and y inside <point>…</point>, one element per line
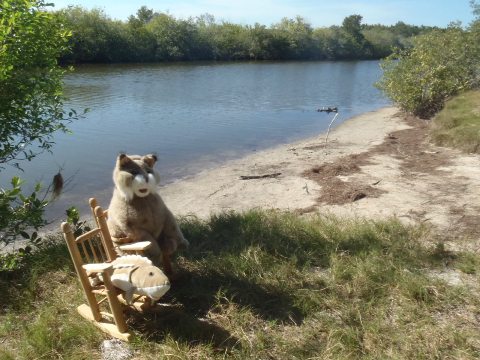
<point>250,177</point>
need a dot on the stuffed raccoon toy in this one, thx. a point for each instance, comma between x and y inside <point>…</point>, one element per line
<point>138,213</point>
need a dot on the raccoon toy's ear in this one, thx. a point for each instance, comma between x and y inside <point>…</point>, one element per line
<point>150,159</point>
<point>123,159</point>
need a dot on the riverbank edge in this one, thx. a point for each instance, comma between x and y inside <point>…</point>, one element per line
<point>219,188</point>
<point>275,179</point>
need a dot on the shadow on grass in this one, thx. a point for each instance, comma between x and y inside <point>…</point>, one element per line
<point>194,296</point>
<point>281,235</point>
<point>199,294</point>
<point>183,327</point>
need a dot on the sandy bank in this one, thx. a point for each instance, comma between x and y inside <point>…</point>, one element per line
<point>221,189</point>
<point>375,165</point>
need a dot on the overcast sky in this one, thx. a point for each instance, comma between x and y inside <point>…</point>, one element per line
<point>319,13</point>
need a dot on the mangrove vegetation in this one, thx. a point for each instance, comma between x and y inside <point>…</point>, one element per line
<point>439,65</point>
<point>150,36</point>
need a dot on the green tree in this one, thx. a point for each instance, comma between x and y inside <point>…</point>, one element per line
<point>31,103</point>
<point>174,38</point>
<point>31,109</point>
<point>205,25</point>
<point>298,35</point>
<point>352,42</point>
<point>353,26</point>
<point>95,37</point>
<point>145,15</point>
<point>141,42</point>
<point>326,40</point>
<point>230,41</point>
<point>441,63</point>
<point>382,41</point>
<point>259,42</point>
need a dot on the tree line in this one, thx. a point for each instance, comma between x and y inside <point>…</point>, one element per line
<point>151,36</point>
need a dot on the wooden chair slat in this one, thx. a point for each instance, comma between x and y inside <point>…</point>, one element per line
<point>86,255</point>
<point>94,253</point>
<point>88,235</point>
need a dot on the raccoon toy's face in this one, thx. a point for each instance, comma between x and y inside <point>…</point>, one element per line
<point>134,175</point>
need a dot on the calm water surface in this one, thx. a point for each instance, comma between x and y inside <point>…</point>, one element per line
<point>194,116</point>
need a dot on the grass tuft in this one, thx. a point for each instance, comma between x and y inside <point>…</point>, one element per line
<point>458,124</point>
<point>267,285</point>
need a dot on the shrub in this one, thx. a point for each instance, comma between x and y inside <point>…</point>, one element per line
<point>440,64</point>
<point>31,105</point>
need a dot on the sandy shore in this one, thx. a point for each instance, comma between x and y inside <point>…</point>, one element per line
<point>375,165</point>
<point>221,189</point>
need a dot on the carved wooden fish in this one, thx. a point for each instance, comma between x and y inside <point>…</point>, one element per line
<point>135,274</point>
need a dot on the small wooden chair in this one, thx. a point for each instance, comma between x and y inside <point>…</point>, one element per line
<point>91,254</point>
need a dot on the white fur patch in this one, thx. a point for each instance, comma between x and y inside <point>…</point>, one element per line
<point>126,191</point>
<point>140,186</point>
<point>152,183</point>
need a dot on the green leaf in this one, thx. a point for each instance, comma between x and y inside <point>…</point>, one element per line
<point>16,182</point>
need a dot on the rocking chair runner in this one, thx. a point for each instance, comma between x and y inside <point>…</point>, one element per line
<point>91,253</point>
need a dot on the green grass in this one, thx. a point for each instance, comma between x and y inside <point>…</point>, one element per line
<point>264,285</point>
<point>458,124</point>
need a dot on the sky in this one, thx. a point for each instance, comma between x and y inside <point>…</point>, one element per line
<point>319,13</point>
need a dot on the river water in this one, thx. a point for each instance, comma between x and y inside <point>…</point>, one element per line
<point>193,116</point>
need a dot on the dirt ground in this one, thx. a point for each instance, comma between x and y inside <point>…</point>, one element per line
<point>377,165</point>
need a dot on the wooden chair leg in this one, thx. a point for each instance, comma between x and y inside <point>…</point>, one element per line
<point>115,305</point>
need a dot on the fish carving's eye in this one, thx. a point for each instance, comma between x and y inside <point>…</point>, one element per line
<point>150,273</point>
